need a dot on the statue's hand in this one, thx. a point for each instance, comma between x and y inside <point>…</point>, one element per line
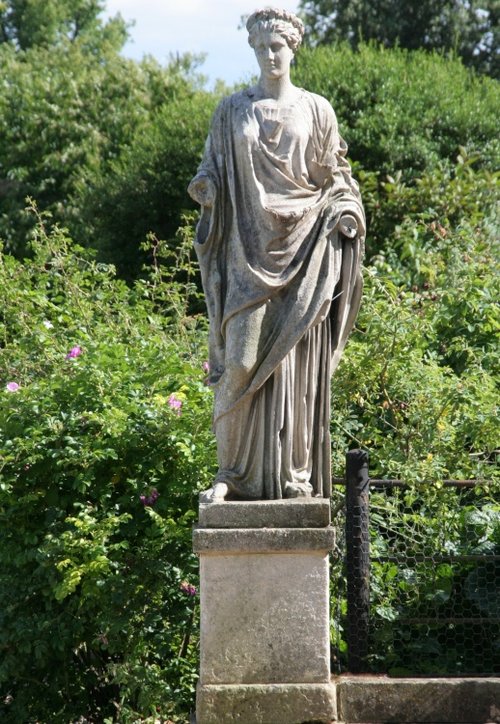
<point>348,226</point>
<point>202,190</point>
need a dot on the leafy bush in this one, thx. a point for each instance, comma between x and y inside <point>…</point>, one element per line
<point>434,580</point>
<point>96,612</point>
<point>447,195</point>
<point>417,386</point>
<point>105,422</point>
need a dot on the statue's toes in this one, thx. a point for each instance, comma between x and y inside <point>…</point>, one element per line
<point>298,490</point>
<point>215,494</point>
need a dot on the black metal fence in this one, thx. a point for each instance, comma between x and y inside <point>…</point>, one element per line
<point>416,583</point>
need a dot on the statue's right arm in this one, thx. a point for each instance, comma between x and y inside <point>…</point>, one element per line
<point>202,189</point>
<point>204,186</point>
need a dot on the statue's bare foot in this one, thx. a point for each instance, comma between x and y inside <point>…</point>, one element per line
<point>215,494</point>
<point>298,490</point>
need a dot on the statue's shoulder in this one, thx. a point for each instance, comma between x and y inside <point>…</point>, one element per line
<point>323,115</point>
<point>320,104</point>
<point>234,100</point>
<point>226,107</point>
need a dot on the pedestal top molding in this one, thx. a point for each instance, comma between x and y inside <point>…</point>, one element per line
<point>263,540</point>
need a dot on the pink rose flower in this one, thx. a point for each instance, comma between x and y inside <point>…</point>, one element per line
<point>149,500</point>
<point>74,352</point>
<point>175,404</point>
<point>188,588</point>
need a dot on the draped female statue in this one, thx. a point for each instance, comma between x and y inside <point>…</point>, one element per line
<point>279,242</point>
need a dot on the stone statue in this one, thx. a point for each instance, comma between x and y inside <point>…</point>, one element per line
<point>280,242</point>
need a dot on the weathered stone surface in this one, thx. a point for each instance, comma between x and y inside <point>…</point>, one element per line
<point>279,242</point>
<point>262,540</point>
<point>377,699</point>
<point>264,618</point>
<point>266,704</point>
<point>294,513</point>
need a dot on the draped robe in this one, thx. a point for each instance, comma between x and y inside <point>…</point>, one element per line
<point>282,287</point>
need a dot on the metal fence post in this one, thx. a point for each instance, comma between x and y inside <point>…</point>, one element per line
<point>357,558</point>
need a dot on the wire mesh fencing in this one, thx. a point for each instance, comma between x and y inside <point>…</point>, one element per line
<point>416,578</point>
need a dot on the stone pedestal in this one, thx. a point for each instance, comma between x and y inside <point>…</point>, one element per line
<point>265,645</point>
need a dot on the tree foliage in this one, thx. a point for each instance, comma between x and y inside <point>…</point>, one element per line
<point>470,29</point>
<point>51,23</point>
<point>108,145</point>
<point>68,109</point>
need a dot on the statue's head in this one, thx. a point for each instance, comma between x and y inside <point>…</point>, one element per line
<point>280,22</point>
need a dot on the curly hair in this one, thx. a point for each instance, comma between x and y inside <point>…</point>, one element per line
<point>276,21</point>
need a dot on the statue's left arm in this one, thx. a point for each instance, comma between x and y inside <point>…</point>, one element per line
<point>348,216</point>
<point>347,227</point>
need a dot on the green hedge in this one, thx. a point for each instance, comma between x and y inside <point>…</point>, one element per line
<point>404,111</point>
<point>65,115</point>
<point>145,188</point>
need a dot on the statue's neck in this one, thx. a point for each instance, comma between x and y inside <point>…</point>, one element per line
<point>277,88</point>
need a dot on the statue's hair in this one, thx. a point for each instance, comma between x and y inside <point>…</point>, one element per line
<point>276,21</point>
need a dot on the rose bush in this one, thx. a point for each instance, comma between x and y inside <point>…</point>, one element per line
<point>105,439</point>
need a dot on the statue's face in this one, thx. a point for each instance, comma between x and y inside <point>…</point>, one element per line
<point>273,54</point>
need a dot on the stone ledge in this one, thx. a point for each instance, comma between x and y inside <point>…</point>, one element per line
<point>298,513</point>
<point>262,540</point>
<point>265,704</point>
<point>377,699</point>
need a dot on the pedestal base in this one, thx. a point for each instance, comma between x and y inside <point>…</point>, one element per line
<point>265,703</point>
<point>265,645</point>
